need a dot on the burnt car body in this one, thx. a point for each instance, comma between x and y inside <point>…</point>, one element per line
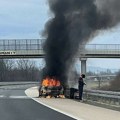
<point>51,87</point>
<point>52,91</point>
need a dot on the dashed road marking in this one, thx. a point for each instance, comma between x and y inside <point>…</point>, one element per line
<point>15,87</point>
<point>14,97</point>
<point>19,97</point>
<point>2,96</point>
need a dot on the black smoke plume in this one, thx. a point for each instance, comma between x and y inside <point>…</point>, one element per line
<point>73,23</point>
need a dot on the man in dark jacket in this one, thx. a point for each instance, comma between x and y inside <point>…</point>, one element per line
<point>81,85</point>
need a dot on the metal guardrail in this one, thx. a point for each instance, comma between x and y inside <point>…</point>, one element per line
<point>108,97</point>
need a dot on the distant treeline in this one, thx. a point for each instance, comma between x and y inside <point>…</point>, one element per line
<point>19,70</point>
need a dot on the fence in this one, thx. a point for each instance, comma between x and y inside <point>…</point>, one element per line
<point>21,44</point>
<point>100,49</point>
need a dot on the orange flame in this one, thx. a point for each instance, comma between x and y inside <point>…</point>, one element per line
<point>52,82</point>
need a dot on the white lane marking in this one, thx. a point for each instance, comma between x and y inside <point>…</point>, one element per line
<point>18,97</point>
<point>2,96</point>
<point>15,86</point>
<point>58,110</point>
<point>14,97</point>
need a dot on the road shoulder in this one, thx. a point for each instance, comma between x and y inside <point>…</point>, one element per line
<point>74,109</point>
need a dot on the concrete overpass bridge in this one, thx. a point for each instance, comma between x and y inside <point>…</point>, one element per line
<point>21,48</point>
<point>32,48</point>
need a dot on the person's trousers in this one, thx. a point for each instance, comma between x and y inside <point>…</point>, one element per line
<point>80,92</point>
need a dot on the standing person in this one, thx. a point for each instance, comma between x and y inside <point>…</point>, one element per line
<point>81,85</point>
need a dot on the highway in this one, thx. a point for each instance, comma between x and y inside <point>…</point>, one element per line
<point>15,105</point>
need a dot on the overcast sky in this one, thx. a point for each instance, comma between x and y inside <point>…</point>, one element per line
<point>22,18</point>
<point>26,19</point>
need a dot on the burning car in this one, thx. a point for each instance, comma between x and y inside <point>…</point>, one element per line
<point>51,87</point>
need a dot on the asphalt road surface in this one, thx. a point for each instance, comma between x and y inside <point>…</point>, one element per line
<point>15,105</point>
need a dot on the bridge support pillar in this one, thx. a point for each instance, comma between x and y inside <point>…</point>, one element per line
<point>83,65</point>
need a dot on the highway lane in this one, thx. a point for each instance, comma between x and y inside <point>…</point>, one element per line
<point>15,105</point>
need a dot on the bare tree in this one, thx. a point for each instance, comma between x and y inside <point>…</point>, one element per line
<point>10,64</point>
<point>27,69</point>
<point>19,70</point>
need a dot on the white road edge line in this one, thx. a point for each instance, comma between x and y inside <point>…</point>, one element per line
<point>65,113</point>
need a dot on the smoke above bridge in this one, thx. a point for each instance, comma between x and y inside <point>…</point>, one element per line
<point>74,22</point>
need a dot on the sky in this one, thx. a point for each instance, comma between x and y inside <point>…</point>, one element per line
<point>22,18</point>
<point>25,19</point>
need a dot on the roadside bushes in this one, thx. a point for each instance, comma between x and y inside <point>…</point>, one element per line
<point>114,84</point>
<point>19,70</point>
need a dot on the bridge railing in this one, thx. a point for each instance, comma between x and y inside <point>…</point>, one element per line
<point>100,49</point>
<point>21,44</point>
<point>102,46</point>
<point>37,44</point>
